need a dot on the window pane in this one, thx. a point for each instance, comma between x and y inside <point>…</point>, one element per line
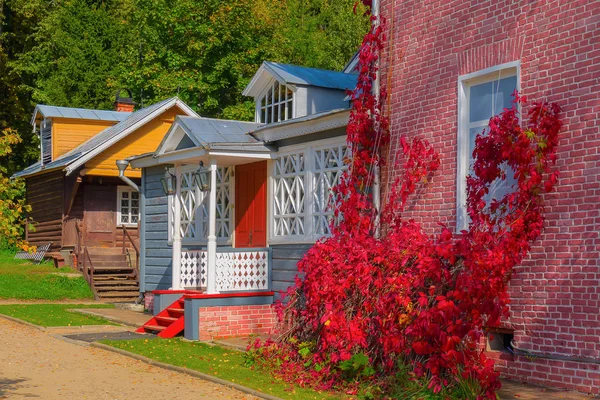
<point>473,132</point>
<point>124,204</point>
<point>134,219</point>
<point>276,92</point>
<point>124,195</point>
<point>480,102</point>
<point>135,203</point>
<point>282,112</point>
<point>503,90</point>
<point>276,113</point>
<point>269,115</point>
<point>263,115</point>
<point>124,219</point>
<point>135,195</point>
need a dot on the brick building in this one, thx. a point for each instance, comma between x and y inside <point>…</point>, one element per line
<point>448,66</point>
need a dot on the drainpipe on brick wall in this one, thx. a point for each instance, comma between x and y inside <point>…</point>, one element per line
<point>376,172</point>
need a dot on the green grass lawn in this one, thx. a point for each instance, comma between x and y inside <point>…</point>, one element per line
<point>23,280</point>
<point>216,361</point>
<point>54,314</point>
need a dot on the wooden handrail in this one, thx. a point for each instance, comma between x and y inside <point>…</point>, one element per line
<point>137,252</point>
<point>78,243</point>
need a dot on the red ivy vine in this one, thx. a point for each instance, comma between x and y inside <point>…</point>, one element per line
<point>409,298</point>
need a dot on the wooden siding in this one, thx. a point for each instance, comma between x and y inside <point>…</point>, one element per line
<point>46,197</point>
<point>145,139</point>
<point>156,249</point>
<point>70,133</point>
<point>284,268</point>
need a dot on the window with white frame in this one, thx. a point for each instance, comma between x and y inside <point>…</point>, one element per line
<point>128,206</point>
<point>302,203</point>
<point>481,95</point>
<point>195,207</point>
<point>276,104</point>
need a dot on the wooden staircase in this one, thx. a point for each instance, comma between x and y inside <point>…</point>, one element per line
<point>111,275</point>
<point>168,323</point>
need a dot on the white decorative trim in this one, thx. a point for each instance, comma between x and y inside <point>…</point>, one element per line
<point>280,184</point>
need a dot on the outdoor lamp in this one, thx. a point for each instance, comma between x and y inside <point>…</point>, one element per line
<point>202,177</point>
<point>168,182</point>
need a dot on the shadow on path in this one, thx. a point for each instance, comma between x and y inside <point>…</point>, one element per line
<point>9,386</point>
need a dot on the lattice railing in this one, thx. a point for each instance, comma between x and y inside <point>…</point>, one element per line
<point>243,270</point>
<point>193,268</point>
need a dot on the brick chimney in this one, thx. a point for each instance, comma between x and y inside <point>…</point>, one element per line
<point>125,104</point>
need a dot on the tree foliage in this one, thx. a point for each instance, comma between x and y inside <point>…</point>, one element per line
<point>77,53</point>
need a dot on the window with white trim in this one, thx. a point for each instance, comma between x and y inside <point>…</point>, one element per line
<point>481,95</point>
<point>302,203</point>
<point>128,206</point>
<point>276,104</point>
<point>194,213</point>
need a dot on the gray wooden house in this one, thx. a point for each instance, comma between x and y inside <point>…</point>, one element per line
<point>229,207</point>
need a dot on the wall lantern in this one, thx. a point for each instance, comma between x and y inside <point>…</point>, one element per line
<point>202,177</point>
<point>168,182</point>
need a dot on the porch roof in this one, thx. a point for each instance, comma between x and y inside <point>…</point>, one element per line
<point>193,139</point>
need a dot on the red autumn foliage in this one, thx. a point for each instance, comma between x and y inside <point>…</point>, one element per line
<point>406,296</point>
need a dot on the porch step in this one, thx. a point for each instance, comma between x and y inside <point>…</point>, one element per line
<point>156,328</point>
<point>112,267</point>
<point>114,278</point>
<point>131,293</point>
<point>169,322</point>
<point>107,281</point>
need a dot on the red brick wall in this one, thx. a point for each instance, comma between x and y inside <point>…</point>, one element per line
<point>555,294</point>
<point>231,321</point>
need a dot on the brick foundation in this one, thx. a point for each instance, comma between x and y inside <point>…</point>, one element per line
<point>232,321</point>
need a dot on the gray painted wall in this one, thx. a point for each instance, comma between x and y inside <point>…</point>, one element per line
<point>156,250</point>
<point>284,269</point>
<point>312,99</point>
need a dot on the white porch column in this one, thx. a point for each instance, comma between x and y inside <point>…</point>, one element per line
<point>176,278</point>
<point>212,227</point>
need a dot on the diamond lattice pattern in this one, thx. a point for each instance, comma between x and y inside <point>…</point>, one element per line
<point>328,168</point>
<point>288,195</point>
<point>242,271</point>
<point>193,268</point>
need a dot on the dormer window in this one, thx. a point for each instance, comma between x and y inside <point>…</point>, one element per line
<point>276,104</point>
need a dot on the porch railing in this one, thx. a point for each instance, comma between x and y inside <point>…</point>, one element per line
<point>237,270</point>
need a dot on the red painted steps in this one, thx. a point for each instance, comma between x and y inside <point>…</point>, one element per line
<point>168,323</point>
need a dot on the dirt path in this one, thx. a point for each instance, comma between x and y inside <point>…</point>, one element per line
<point>34,364</point>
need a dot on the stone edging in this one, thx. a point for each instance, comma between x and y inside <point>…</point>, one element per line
<point>186,371</point>
<point>20,321</point>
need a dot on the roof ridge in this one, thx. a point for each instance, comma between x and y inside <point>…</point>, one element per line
<point>303,67</point>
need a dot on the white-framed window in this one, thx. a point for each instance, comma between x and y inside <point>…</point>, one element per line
<point>195,207</point>
<point>481,95</point>
<point>276,104</point>
<point>301,205</point>
<point>128,206</point>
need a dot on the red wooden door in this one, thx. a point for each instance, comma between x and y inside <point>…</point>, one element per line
<point>251,205</point>
<point>100,203</point>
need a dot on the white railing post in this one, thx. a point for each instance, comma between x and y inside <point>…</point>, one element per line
<point>212,235</point>
<point>176,278</point>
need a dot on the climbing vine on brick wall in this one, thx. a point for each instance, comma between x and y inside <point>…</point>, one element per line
<point>368,306</point>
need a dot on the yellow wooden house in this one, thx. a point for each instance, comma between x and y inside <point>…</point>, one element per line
<point>80,203</point>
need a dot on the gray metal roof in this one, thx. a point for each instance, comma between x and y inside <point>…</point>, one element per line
<point>295,74</point>
<point>99,139</point>
<point>78,113</point>
<point>207,132</point>
<point>292,121</point>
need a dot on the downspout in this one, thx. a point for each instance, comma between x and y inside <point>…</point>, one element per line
<point>122,166</point>
<point>376,92</point>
